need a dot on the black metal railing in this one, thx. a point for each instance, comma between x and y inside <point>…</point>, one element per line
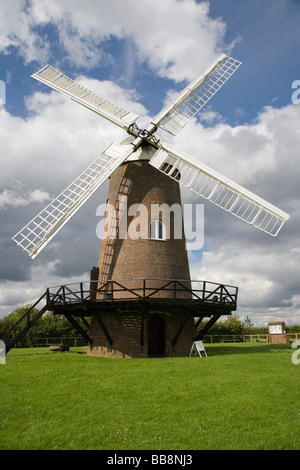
<point>205,292</point>
<point>142,289</point>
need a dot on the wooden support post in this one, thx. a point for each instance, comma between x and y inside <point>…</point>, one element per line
<point>203,291</point>
<point>199,321</point>
<point>208,325</point>
<point>142,330</point>
<point>107,335</point>
<point>76,325</point>
<point>29,324</point>
<point>178,333</point>
<point>94,276</point>
<point>84,321</point>
<point>48,296</point>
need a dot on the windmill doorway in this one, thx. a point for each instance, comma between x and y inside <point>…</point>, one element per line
<point>156,336</point>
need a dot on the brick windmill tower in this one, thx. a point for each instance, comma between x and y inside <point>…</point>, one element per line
<point>141,299</point>
<point>147,255</point>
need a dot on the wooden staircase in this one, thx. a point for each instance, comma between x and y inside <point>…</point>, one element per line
<point>29,319</point>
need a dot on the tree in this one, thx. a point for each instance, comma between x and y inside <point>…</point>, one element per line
<point>10,320</point>
<point>247,323</point>
<point>48,326</point>
<point>233,325</point>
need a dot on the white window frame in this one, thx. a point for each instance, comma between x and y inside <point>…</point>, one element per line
<point>156,230</point>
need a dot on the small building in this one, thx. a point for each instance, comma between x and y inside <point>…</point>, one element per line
<point>277,332</point>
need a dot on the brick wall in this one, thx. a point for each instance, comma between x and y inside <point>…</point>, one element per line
<point>142,258</point>
<point>125,331</point>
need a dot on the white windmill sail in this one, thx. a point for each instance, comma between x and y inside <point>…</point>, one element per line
<point>60,82</point>
<point>192,99</point>
<point>192,174</point>
<point>219,190</point>
<point>40,230</point>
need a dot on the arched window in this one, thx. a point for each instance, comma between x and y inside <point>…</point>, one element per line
<point>156,230</point>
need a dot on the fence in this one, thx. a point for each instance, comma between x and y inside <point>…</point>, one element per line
<point>244,338</point>
<point>143,289</point>
<point>72,341</point>
<point>76,341</point>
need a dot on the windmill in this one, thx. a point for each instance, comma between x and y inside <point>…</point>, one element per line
<point>146,169</point>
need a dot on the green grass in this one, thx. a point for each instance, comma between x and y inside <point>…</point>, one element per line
<point>243,396</point>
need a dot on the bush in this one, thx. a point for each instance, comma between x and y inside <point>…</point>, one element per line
<point>231,326</point>
<point>48,326</point>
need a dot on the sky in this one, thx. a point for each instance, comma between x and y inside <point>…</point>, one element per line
<point>138,55</point>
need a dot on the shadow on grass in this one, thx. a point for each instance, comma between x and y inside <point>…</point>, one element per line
<point>220,350</point>
<point>39,351</point>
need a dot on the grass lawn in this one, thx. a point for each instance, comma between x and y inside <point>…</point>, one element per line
<point>243,396</point>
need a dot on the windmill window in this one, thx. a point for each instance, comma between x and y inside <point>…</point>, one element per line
<point>156,230</point>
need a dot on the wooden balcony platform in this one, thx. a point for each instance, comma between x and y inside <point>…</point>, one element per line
<point>200,299</point>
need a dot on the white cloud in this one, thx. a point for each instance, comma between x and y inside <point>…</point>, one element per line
<point>14,295</point>
<point>266,278</point>
<point>261,156</point>
<point>15,195</point>
<point>17,30</point>
<point>54,151</point>
<point>41,155</point>
<point>59,138</point>
<point>167,35</point>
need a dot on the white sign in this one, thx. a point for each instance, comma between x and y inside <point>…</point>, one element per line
<point>275,329</point>
<point>197,347</point>
<point>2,352</point>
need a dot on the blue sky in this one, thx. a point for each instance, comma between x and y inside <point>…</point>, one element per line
<point>265,37</point>
<point>141,53</point>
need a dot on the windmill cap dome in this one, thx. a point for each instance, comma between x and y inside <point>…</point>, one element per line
<point>144,152</point>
